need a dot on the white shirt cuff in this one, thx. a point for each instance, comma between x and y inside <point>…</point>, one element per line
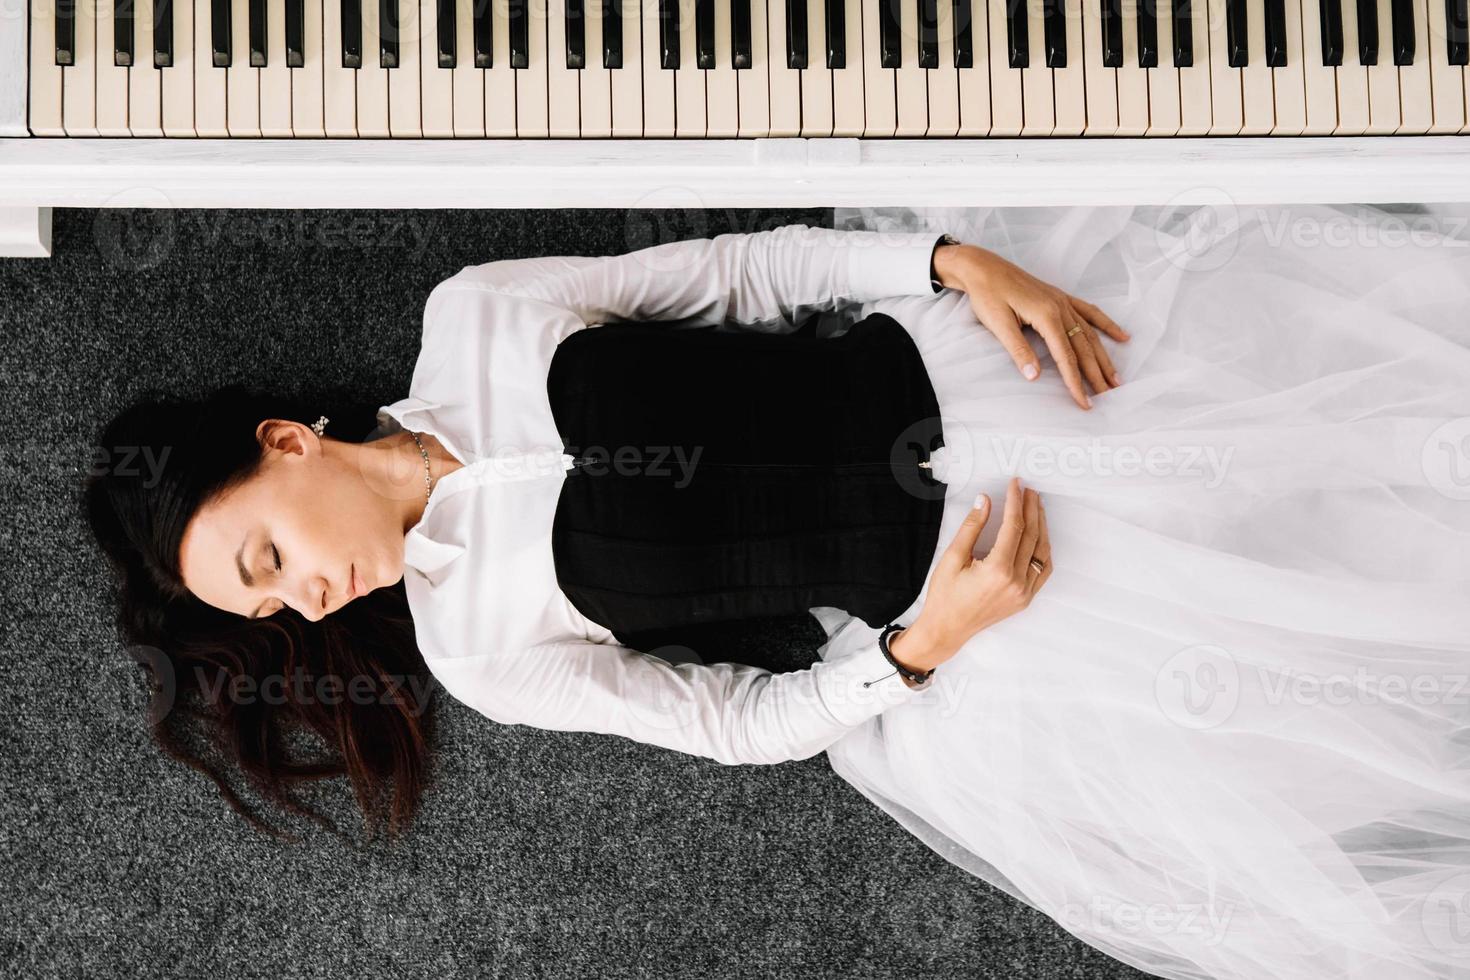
<point>863,684</point>
<point>882,263</point>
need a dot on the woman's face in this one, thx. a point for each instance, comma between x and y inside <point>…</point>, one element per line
<point>317,526</point>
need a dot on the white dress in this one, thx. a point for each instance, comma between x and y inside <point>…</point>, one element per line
<point>1231,736</point>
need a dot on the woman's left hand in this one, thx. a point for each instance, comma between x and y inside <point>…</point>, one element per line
<point>1006,298</point>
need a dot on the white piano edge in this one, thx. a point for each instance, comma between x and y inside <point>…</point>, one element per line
<point>14,66</point>
<point>673,173</point>
<point>25,233</point>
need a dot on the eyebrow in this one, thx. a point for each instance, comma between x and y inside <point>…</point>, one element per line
<point>246,578</point>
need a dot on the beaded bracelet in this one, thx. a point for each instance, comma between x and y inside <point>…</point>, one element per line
<point>903,671</point>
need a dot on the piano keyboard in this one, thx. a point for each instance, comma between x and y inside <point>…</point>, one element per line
<point>745,68</point>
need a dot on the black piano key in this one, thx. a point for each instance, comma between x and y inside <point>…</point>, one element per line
<point>519,24</point>
<point>1367,32</point>
<point>576,34</point>
<point>1112,33</point>
<point>388,33</point>
<point>796,50</point>
<point>352,33</point>
<point>836,34</point>
<point>612,33</point>
<point>928,33</point>
<point>1054,28</point>
<point>1235,34</point>
<point>219,33</point>
<point>66,32</point>
<point>1403,31</point>
<point>295,34</point>
<point>964,36</point>
<point>889,53</point>
<point>122,32</point>
<point>444,34</point>
<point>257,34</point>
<point>668,33</point>
<point>740,51</point>
<point>163,33</point>
<point>1457,31</point>
<point>1330,17</point>
<point>1276,33</point>
<point>704,33</point>
<point>1016,37</point>
<point>1183,34</point>
<point>1148,34</point>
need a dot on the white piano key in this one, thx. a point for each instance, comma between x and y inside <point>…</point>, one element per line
<point>501,79</point>
<point>339,85</point>
<point>595,81</point>
<point>242,82</point>
<point>1289,80</point>
<point>1164,117</point>
<point>275,77</point>
<point>1257,90</point>
<point>658,82</point>
<point>1068,84</point>
<point>372,77</point>
<point>563,90</point>
<point>1195,110</point>
<point>1006,111</point>
<point>910,85</point>
<point>1383,78</point>
<point>816,78</point>
<point>145,83</point>
<point>1318,80</point>
<point>1446,81</point>
<point>627,81</point>
<point>721,88</point>
<point>436,85</point>
<point>689,109</point>
<point>755,82</point>
<point>177,83</point>
<point>1102,81</point>
<point>79,81</point>
<point>1038,100</point>
<point>45,73</point>
<point>1132,80</point>
<point>1350,78</point>
<point>1226,95</point>
<point>1415,99</point>
<point>785,82</point>
<point>308,108</point>
<point>532,118</point>
<point>944,82</point>
<point>211,103</point>
<point>405,117</point>
<point>112,79</point>
<point>467,81</point>
<point>974,81</point>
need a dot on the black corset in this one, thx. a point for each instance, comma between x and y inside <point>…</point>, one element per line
<point>799,483</point>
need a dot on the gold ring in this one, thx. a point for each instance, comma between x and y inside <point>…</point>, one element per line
<point>1038,564</point>
<point>1074,330</point>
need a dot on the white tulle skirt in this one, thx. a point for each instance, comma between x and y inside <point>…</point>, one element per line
<point>1231,736</point>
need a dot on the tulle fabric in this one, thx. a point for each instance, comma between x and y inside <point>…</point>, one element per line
<point>1231,736</point>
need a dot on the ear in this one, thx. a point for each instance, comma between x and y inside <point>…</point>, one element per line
<point>287,436</point>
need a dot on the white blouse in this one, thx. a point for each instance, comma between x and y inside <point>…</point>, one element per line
<point>494,628</point>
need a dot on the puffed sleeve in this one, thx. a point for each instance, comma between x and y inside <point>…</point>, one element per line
<point>729,712</point>
<point>764,280</point>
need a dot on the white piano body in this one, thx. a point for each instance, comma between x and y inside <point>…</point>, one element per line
<point>1281,127</point>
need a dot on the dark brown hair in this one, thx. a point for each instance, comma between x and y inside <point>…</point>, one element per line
<point>201,658</point>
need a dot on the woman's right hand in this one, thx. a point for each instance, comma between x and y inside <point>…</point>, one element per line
<point>967,594</point>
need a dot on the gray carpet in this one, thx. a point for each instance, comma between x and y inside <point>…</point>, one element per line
<point>536,854</point>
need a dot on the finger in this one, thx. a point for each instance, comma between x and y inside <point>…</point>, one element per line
<point>1087,354</point>
<point>1055,334</point>
<point>1029,534</point>
<point>961,550</point>
<point>1001,321</point>
<point>1099,319</point>
<point>1013,522</point>
<point>1104,361</point>
<point>1043,552</point>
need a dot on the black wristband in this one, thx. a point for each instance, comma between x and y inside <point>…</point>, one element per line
<point>905,672</point>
